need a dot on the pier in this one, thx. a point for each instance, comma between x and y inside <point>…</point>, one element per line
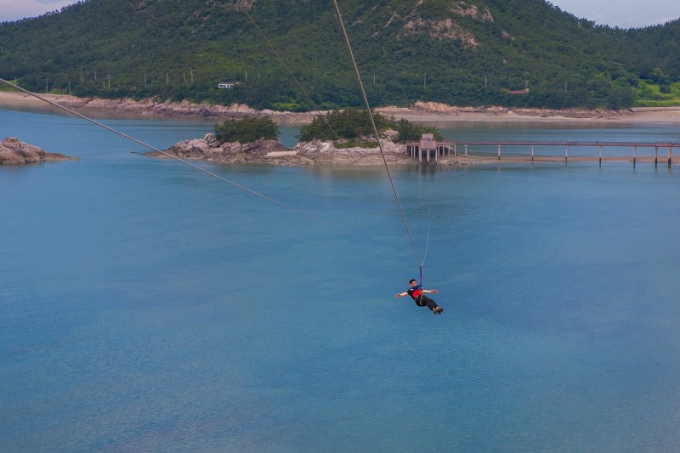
<point>429,151</point>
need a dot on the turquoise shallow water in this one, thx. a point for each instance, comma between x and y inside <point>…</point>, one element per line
<point>145,307</point>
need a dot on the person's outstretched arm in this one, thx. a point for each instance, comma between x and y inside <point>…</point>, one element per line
<point>402,294</point>
<point>430,291</point>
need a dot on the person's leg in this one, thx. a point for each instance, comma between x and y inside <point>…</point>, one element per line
<point>432,305</point>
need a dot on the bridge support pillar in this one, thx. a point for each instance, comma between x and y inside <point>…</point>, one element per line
<point>600,156</point>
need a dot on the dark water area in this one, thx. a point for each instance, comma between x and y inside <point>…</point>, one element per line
<point>147,307</point>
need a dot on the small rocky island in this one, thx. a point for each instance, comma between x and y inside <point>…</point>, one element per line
<point>337,138</point>
<point>15,152</point>
<point>272,152</point>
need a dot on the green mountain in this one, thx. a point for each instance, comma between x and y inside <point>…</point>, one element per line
<point>472,52</point>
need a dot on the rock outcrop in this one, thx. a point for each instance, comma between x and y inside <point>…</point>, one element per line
<point>210,149</point>
<point>15,152</point>
<point>320,152</point>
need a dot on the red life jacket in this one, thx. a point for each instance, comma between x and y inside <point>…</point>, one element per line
<point>415,292</point>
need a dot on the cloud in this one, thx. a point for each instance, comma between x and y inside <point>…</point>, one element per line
<point>11,10</point>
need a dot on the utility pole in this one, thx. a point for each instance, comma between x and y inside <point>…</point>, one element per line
<point>145,79</point>
<point>424,81</point>
<point>486,85</point>
<point>167,79</point>
<point>47,85</point>
<point>246,76</point>
<point>109,81</point>
<point>192,76</point>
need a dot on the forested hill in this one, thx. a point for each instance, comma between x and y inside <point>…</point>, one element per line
<point>473,52</point>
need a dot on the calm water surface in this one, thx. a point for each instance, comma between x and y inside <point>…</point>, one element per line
<point>146,307</point>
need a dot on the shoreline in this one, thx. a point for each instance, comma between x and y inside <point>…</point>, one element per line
<point>424,112</point>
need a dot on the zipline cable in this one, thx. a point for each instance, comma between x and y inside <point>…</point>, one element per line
<point>429,222</point>
<point>375,129</point>
<point>189,164</point>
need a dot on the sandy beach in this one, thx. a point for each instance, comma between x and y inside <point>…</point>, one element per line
<point>420,112</point>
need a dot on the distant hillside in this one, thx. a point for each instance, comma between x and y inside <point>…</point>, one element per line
<point>474,52</point>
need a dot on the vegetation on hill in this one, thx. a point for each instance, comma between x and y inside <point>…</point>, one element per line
<point>247,130</point>
<point>518,53</point>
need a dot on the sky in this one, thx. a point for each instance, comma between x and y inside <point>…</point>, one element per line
<point>621,13</point>
<point>18,9</point>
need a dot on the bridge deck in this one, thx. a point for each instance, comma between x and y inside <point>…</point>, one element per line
<point>461,148</point>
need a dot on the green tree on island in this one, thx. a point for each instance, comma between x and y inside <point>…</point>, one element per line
<point>247,130</point>
<point>352,124</point>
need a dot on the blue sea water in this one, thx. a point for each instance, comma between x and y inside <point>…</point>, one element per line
<point>147,307</point>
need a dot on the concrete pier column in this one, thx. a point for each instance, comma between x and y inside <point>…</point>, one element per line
<point>499,152</point>
<point>634,156</point>
<point>670,156</point>
<point>656,156</point>
<point>532,153</point>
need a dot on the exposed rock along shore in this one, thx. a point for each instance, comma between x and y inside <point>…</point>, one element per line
<point>168,109</point>
<point>429,110</point>
<point>449,110</point>
<point>15,152</point>
<point>272,152</point>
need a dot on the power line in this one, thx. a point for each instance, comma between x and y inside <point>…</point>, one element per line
<point>188,164</point>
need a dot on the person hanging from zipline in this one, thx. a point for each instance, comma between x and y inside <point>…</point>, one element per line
<point>419,297</point>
